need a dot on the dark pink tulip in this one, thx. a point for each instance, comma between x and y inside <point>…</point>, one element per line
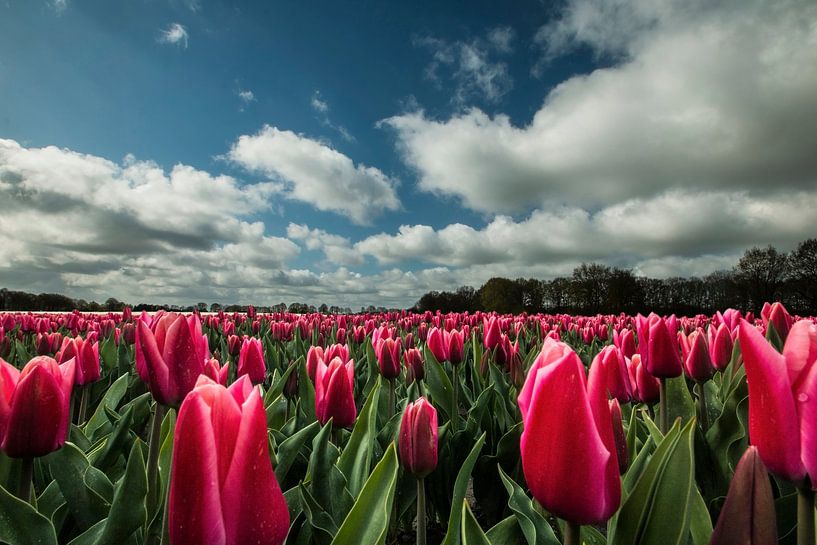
<point>622,454</point>
<point>783,399</point>
<point>491,332</point>
<point>251,360</point>
<point>646,387</point>
<point>569,463</point>
<point>720,350</point>
<point>437,344</point>
<point>388,357</point>
<point>313,356</point>
<point>663,360</point>
<point>335,393</point>
<point>455,347</point>
<point>418,438</point>
<point>748,514</point>
<point>86,355</point>
<point>170,360</point>
<point>777,315</point>
<point>42,345</point>
<point>234,344</point>
<point>222,488</point>
<point>415,369</point>
<point>129,333</point>
<point>614,369</point>
<point>217,372</point>
<point>336,351</point>
<point>34,406</point>
<point>625,341</point>
<point>697,363</point>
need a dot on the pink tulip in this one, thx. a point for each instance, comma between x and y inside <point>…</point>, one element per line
<point>222,488</point>
<point>614,369</point>
<point>418,438</point>
<point>491,332</point>
<point>570,464</point>
<point>388,357</point>
<point>85,354</point>
<point>437,344</point>
<point>720,349</point>
<point>34,406</point>
<point>455,346</point>
<point>334,393</point>
<point>662,359</point>
<point>783,399</point>
<point>251,360</point>
<point>415,369</point>
<point>217,372</point>
<point>697,363</point>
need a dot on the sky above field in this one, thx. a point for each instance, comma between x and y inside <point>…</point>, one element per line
<point>356,153</point>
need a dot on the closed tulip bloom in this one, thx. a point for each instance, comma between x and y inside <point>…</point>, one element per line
<point>698,364</point>
<point>418,438</point>
<point>720,350</point>
<point>748,514</point>
<point>777,315</point>
<point>663,360</point>
<point>313,356</point>
<point>217,372</point>
<point>646,387</point>
<point>336,351</point>
<point>335,393</point>
<point>415,369</point>
<point>170,360</point>
<point>625,341</point>
<point>86,355</point>
<point>223,490</point>
<point>455,347</point>
<point>614,369</point>
<point>491,332</point>
<point>783,399</point>
<point>251,360</point>
<point>388,357</point>
<point>234,345</point>
<point>43,344</point>
<point>437,344</point>
<point>569,462</point>
<point>34,406</point>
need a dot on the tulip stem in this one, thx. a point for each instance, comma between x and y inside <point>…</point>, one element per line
<point>421,512</point>
<point>455,412</point>
<point>83,403</point>
<point>664,417</point>
<point>572,533</point>
<point>26,478</point>
<point>702,407</point>
<point>805,515</point>
<point>153,459</point>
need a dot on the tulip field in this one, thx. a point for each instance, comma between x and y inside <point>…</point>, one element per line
<point>454,429</point>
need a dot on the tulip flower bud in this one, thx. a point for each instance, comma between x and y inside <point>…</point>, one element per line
<point>34,406</point>
<point>720,350</point>
<point>251,360</point>
<point>415,368</point>
<point>697,364</point>
<point>222,486</point>
<point>485,363</point>
<point>663,360</point>
<point>42,344</point>
<point>334,393</point>
<point>418,438</point>
<point>234,345</point>
<point>291,386</point>
<point>646,387</point>
<point>437,344</point>
<point>388,356</point>
<point>748,514</point>
<point>777,315</point>
<point>216,372</point>
<point>455,347</point>
<point>614,369</point>
<point>86,355</point>
<point>313,356</point>
<point>129,333</point>
<point>491,333</point>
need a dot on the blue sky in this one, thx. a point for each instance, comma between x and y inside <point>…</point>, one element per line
<point>366,152</point>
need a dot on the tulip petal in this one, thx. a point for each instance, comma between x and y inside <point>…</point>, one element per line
<point>38,414</point>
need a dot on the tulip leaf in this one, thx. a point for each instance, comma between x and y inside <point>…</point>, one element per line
<point>505,532</point>
<point>591,536</point>
<point>700,523</point>
<point>99,424</point>
<point>534,527</point>
<point>108,451</point>
<point>438,383</point>
<point>324,528</point>
<point>657,510</point>
<point>289,449</point>
<point>326,482</point>
<point>368,520</point>
<point>166,452</point>
<point>108,353</point>
<point>21,524</point>
<point>679,401</point>
<point>82,485</point>
<point>452,536</point>
<point>306,395</point>
<point>356,459</point>
<point>128,511</point>
<point>472,533</point>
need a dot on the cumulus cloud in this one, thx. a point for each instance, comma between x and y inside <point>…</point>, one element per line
<point>337,249</point>
<point>471,65</point>
<point>175,34</point>
<point>307,170</point>
<point>321,108</point>
<point>716,98</point>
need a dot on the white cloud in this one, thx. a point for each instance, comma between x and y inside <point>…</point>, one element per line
<point>310,171</point>
<point>470,65</point>
<point>337,249</point>
<point>59,5</point>
<point>246,96</point>
<point>716,98</point>
<point>318,104</point>
<point>321,107</point>
<point>174,34</point>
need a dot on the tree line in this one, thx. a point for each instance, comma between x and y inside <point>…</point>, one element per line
<point>762,274</point>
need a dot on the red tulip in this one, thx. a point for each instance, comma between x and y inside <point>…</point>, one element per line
<point>491,332</point>
<point>646,387</point>
<point>418,438</point>
<point>697,362</point>
<point>222,487</point>
<point>720,349</point>
<point>334,393</point>
<point>748,514</point>
<point>251,360</point>
<point>569,462</point>
<point>455,346</point>
<point>415,369</point>
<point>777,315</point>
<point>438,344</point>
<point>388,357</point>
<point>171,359</point>
<point>217,372</point>
<point>234,344</point>
<point>614,369</point>
<point>625,341</point>
<point>34,406</point>
<point>336,351</point>
<point>662,360</point>
<point>86,355</point>
<point>313,356</point>
<point>783,399</point>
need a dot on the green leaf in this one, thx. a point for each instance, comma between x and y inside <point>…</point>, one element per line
<point>128,511</point>
<point>438,384</point>
<point>700,523</point>
<point>288,450</point>
<point>99,421</point>
<point>21,524</point>
<point>472,533</point>
<point>657,511</point>
<point>452,536</point>
<point>166,450</point>
<point>505,532</point>
<point>368,521</point>
<point>356,459</point>
<point>321,521</point>
<point>679,401</point>
<point>108,353</point>
<point>326,482</point>
<point>86,489</point>
<point>534,527</point>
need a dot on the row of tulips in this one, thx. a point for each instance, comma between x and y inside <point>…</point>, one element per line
<point>273,428</point>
